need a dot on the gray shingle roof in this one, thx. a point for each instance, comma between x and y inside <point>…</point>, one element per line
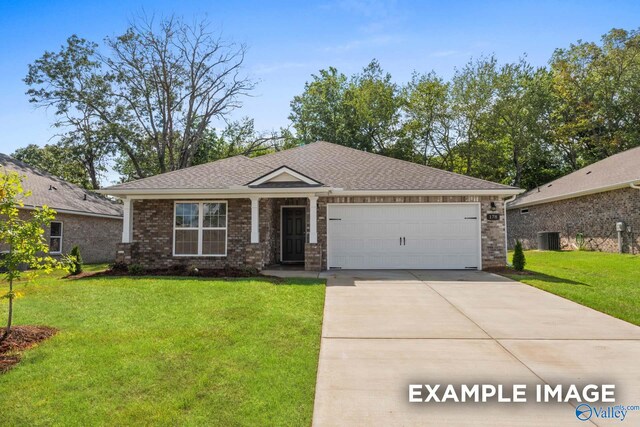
<point>333,165</point>
<point>56,193</point>
<point>616,171</point>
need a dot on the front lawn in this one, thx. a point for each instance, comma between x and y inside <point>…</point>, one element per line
<point>170,351</point>
<point>606,282</point>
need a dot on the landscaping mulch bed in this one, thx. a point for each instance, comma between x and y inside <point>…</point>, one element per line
<point>21,338</point>
<point>221,273</point>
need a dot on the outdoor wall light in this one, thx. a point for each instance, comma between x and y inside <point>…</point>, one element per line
<point>493,206</point>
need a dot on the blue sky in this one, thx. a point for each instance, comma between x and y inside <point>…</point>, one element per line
<point>288,41</point>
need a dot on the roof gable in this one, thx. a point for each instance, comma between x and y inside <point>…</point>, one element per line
<point>283,177</point>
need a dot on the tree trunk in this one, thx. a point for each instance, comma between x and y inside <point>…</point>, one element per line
<point>93,175</point>
<point>7,331</point>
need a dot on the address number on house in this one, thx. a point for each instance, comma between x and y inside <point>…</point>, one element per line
<point>493,216</point>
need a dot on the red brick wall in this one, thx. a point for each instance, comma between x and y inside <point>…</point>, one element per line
<point>594,215</point>
<point>153,232</point>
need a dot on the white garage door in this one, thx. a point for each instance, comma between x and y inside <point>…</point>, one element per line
<point>417,236</point>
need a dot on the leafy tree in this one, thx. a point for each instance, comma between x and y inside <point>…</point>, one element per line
<point>371,104</point>
<point>318,114</point>
<point>65,160</point>
<point>596,91</point>
<point>23,239</point>
<point>428,120</point>
<point>152,98</point>
<point>519,260</point>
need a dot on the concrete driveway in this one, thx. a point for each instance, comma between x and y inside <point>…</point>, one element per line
<point>384,330</point>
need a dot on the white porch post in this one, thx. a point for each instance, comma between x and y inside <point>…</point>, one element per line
<point>255,226</point>
<point>313,219</point>
<point>127,220</point>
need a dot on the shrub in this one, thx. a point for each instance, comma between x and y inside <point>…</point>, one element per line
<point>119,266</point>
<point>135,269</point>
<point>580,242</point>
<point>192,270</point>
<point>519,260</point>
<point>76,261</point>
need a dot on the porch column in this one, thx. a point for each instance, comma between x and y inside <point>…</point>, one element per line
<point>313,219</point>
<point>255,226</point>
<point>127,220</point>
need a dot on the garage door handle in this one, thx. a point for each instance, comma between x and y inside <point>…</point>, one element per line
<point>401,241</point>
<point>404,241</point>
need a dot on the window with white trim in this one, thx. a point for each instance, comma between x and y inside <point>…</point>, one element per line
<point>55,237</point>
<point>200,229</point>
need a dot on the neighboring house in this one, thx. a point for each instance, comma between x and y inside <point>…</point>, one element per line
<point>321,204</point>
<point>590,202</point>
<point>83,218</point>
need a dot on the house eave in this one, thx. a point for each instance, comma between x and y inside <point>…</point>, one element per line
<point>573,195</point>
<point>246,191</point>
<point>74,212</point>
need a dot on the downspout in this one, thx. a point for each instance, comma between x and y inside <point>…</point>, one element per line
<point>506,243</point>
<point>637,187</point>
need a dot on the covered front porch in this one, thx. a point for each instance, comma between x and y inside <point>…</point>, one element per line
<point>284,230</point>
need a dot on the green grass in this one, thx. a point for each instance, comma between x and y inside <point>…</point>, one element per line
<point>169,351</point>
<point>609,283</point>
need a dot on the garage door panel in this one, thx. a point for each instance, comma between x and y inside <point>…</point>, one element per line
<point>436,236</point>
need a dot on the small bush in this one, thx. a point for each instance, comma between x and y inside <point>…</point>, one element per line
<point>76,261</point>
<point>580,242</point>
<point>119,266</point>
<point>519,260</point>
<point>135,269</point>
<point>192,270</point>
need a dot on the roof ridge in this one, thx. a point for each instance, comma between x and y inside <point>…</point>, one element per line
<point>415,164</point>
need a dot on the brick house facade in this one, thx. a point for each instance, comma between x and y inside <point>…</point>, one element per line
<point>152,232</point>
<point>386,213</point>
<point>594,216</point>
<point>97,237</point>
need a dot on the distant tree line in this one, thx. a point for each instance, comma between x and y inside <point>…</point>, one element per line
<point>149,106</point>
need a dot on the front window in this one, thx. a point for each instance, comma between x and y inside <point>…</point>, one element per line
<point>200,228</point>
<point>55,237</point>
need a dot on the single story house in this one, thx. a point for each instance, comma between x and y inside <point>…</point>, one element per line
<point>322,205</point>
<point>596,207</point>
<point>84,218</point>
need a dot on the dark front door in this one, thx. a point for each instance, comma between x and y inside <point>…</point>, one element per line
<point>293,234</point>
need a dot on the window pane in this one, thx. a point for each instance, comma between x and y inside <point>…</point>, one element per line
<point>187,215</point>
<point>54,244</point>
<point>56,229</point>
<point>186,242</point>
<point>215,215</point>
<point>213,242</point>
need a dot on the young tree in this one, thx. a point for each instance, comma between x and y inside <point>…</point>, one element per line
<point>23,239</point>
<point>519,260</point>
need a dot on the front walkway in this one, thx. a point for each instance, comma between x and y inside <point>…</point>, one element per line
<point>384,330</point>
